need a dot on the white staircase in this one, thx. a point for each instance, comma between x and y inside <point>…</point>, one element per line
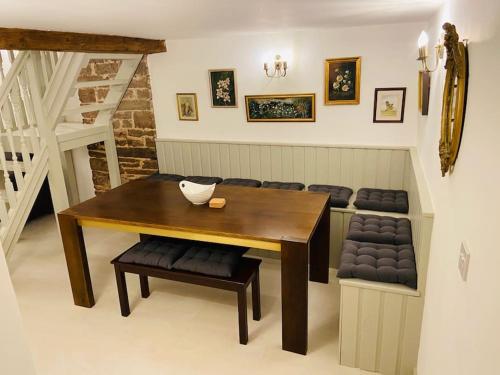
<point>40,124</point>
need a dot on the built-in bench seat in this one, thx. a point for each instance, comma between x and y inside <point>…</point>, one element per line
<point>283,185</point>
<point>166,177</point>
<point>378,262</point>
<point>242,182</point>
<point>204,180</point>
<point>380,229</point>
<point>215,266</point>
<point>339,195</point>
<point>383,200</point>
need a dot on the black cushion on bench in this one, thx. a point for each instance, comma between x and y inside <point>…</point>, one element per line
<point>378,262</point>
<point>204,180</point>
<point>166,177</point>
<point>241,182</point>
<point>208,259</point>
<point>382,200</point>
<point>156,252</point>
<point>380,229</point>
<point>283,185</point>
<point>339,195</point>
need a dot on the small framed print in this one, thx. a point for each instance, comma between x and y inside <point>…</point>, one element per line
<point>389,105</point>
<point>342,80</point>
<point>187,106</point>
<point>223,88</point>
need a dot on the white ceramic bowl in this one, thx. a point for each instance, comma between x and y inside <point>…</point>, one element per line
<point>196,193</point>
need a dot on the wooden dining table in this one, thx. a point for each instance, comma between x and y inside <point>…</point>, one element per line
<point>294,223</point>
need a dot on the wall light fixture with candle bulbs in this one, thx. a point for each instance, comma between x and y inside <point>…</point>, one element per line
<point>280,68</point>
<point>423,55</point>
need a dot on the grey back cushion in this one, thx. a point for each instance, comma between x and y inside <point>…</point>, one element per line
<point>156,252</point>
<point>166,177</point>
<point>241,182</point>
<point>382,200</point>
<point>204,180</point>
<point>283,185</point>
<point>380,229</point>
<point>339,195</point>
<point>208,259</point>
<point>378,262</point>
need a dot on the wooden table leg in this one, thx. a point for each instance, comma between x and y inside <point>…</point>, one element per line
<point>319,256</point>
<point>76,260</point>
<point>294,259</point>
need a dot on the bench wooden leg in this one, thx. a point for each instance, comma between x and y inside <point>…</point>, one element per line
<point>122,291</point>
<point>143,279</point>
<point>242,315</point>
<point>256,296</point>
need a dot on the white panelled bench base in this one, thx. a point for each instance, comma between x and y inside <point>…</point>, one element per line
<point>379,326</point>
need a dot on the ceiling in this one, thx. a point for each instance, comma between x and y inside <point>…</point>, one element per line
<point>170,19</point>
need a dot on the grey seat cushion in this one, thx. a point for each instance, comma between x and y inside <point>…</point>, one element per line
<point>204,180</point>
<point>283,185</point>
<point>380,229</point>
<point>241,182</point>
<point>208,259</point>
<point>382,200</point>
<point>339,195</point>
<point>166,177</point>
<point>378,262</point>
<point>156,252</point>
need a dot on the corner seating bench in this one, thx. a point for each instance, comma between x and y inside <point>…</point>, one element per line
<point>147,259</point>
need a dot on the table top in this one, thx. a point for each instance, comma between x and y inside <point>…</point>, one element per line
<point>250,213</point>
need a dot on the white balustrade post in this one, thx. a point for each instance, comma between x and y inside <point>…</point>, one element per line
<point>9,187</point>
<point>56,175</point>
<point>20,118</point>
<point>30,113</point>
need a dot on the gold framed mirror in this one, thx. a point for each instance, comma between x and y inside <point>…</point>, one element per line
<point>454,98</point>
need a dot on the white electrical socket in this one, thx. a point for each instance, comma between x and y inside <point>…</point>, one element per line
<point>463,261</point>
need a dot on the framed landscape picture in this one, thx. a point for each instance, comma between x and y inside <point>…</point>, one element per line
<point>223,88</point>
<point>389,104</point>
<point>342,80</point>
<point>282,107</point>
<point>187,106</point>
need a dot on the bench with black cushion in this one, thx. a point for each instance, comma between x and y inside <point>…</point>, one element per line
<point>204,180</point>
<point>379,229</point>
<point>166,177</point>
<point>215,266</point>
<point>382,200</point>
<point>283,185</point>
<point>241,182</point>
<point>378,262</point>
<point>339,195</point>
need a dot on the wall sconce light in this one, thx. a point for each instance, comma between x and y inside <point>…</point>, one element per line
<point>280,68</point>
<point>423,54</point>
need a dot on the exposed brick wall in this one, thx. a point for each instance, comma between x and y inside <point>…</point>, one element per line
<point>133,124</point>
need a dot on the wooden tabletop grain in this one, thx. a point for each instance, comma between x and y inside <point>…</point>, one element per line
<point>250,213</point>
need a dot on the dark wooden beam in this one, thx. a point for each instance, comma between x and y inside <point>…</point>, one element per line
<point>38,40</point>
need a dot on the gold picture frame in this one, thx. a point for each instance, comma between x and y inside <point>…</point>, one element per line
<point>341,85</point>
<point>281,108</point>
<point>187,106</point>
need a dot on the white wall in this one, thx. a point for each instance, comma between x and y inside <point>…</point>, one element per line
<point>15,357</point>
<point>461,326</point>
<point>388,60</point>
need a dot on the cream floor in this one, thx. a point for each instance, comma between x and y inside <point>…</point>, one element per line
<point>180,329</point>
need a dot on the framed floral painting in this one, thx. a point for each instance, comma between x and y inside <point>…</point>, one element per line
<point>389,105</point>
<point>281,107</point>
<point>187,106</point>
<point>342,80</point>
<point>223,88</point>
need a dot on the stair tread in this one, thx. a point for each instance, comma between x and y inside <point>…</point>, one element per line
<point>70,127</point>
<point>106,82</point>
<point>90,108</point>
